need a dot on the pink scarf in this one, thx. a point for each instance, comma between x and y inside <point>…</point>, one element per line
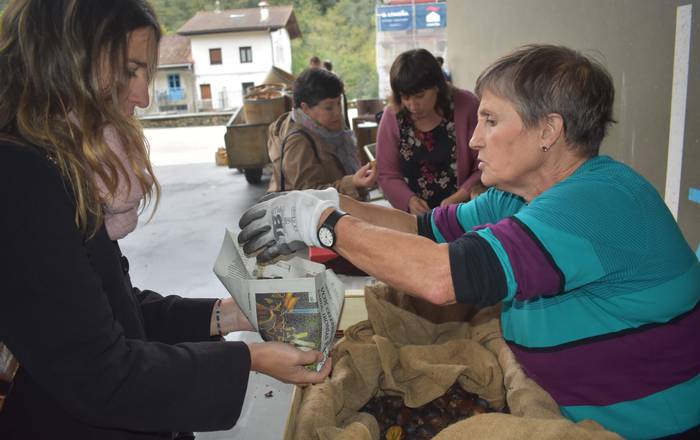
<point>120,208</point>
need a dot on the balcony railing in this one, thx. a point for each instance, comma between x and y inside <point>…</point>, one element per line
<point>171,96</point>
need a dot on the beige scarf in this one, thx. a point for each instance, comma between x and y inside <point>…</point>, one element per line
<point>121,208</point>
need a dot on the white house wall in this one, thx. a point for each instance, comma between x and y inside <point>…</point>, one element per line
<point>282,49</point>
<point>227,78</point>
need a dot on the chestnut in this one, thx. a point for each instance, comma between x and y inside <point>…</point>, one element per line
<point>425,432</point>
<point>478,409</point>
<point>465,408</point>
<point>429,412</point>
<point>404,416</point>
<point>385,420</point>
<point>482,402</point>
<point>410,427</point>
<point>438,422</point>
<point>440,403</point>
<point>395,402</point>
<point>394,432</point>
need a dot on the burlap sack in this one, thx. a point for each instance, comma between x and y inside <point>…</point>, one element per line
<point>397,352</point>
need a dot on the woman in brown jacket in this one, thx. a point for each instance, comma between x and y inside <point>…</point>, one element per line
<point>310,148</point>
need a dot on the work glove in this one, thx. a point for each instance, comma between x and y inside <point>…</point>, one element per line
<point>282,224</point>
<point>330,194</point>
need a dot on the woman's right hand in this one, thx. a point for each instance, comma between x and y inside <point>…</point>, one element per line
<point>416,205</point>
<point>287,363</point>
<point>365,177</point>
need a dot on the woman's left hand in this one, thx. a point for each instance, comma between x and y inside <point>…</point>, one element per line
<point>232,318</point>
<point>459,196</point>
<point>365,177</point>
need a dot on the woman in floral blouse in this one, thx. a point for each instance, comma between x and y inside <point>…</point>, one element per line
<point>423,157</point>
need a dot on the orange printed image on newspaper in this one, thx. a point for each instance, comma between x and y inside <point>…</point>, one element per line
<point>289,317</point>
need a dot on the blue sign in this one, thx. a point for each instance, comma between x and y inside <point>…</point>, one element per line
<point>394,18</point>
<point>431,15</point>
<point>400,18</point>
<point>694,195</point>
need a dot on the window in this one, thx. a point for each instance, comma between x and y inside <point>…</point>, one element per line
<point>174,81</point>
<point>205,91</point>
<point>246,53</point>
<point>175,92</point>
<point>215,56</point>
<point>245,86</point>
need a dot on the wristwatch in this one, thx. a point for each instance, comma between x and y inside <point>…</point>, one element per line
<point>326,233</point>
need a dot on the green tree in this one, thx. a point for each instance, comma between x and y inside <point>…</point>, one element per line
<point>345,34</point>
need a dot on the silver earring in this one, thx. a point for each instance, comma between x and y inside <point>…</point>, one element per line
<point>546,148</point>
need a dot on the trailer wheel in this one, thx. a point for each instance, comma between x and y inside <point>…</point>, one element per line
<point>253,175</point>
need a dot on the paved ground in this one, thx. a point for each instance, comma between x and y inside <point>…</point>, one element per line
<point>184,145</point>
<point>174,252</point>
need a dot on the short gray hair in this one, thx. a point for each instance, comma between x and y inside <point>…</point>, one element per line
<point>544,79</point>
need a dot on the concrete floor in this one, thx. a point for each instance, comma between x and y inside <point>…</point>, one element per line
<point>174,252</point>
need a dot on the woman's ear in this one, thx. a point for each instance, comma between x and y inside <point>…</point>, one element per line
<point>552,129</point>
<point>305,107</point>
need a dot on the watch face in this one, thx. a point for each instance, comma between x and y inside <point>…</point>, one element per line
<point>325,236</point>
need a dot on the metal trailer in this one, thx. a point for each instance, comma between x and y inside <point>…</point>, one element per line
<point>246,146</point>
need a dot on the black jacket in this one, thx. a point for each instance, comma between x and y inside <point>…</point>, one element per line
<point>98,358</point>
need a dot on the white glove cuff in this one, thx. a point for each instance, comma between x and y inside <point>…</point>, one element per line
<point>312,229</point>
<point>329,194</point>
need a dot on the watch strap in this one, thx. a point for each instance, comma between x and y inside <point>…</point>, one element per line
<point>329,225</point>
<point>333,218</point>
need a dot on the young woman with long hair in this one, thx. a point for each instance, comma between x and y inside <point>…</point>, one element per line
<point>98,357</point>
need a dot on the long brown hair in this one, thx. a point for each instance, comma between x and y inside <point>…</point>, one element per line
<point>63,65</point>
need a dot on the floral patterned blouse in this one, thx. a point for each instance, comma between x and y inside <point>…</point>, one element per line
<point>428,159</point>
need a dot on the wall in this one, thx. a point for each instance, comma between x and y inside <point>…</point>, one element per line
<point>282,49</point>
<point>634,39</point>
<point>228,76</point>
<point>188,120</point>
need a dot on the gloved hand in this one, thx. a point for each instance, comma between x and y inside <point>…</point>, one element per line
<point>330,194</point>
<point>281,225</point>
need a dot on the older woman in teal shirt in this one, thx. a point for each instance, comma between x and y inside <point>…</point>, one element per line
<point>600,290</point>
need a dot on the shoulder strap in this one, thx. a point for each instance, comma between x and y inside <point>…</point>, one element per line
<point>284,142</point>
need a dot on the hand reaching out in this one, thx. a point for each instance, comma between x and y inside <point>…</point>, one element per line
<point>287,363</point>
<point>416,205</point>
<point>458,196</point>
<point>365,177</point>
<point>283,224</point>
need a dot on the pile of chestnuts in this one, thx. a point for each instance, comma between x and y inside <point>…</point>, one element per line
<point>399,422</point>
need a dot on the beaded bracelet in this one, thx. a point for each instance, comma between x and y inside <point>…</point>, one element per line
<point>217,313</point>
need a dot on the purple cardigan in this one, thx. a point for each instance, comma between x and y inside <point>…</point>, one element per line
<point>391,180</point>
